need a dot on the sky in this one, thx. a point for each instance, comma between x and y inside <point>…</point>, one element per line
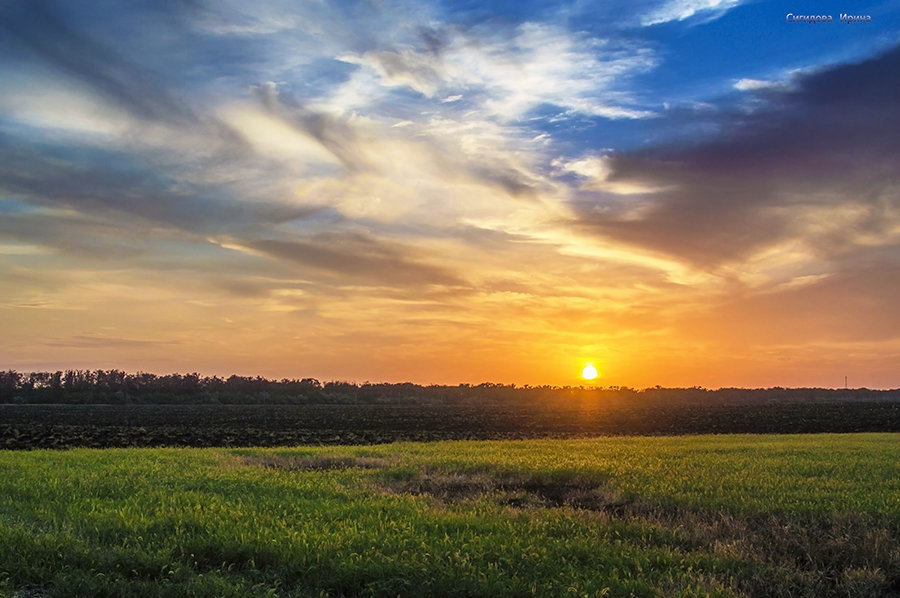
<point>681,192</point>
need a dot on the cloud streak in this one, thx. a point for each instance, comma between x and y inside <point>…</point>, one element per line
<point>353,258</point>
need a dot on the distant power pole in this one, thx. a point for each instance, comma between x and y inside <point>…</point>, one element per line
<point>845,382</point>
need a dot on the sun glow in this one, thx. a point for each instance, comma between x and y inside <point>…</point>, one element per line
<point>589,372</point>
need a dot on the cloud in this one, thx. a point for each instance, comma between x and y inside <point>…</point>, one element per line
<point>36,30</point>
<point>405,67</point>
<point>95,183</point>
<point>352,257</point>
<point>509,73</point>
<point>109,92</point>
<point>596,172</point>
<point>679,10</point>
<point>815,163</point>
<point>752,84</point>
<point>135,165</point>
<point>382,155</point>
<point>334,133</point>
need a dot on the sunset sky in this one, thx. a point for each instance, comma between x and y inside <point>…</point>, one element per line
<point>682,192</point>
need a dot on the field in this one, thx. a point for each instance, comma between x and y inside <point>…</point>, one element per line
<point>741,515</point>
<point>102,426</point>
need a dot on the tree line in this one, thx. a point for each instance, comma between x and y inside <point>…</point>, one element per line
<point>119,387</point>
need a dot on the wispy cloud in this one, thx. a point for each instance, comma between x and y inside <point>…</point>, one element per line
<point>509,73</point>
<point>679,10</point>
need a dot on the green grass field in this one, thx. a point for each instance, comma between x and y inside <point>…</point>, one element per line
<point>685,516</point>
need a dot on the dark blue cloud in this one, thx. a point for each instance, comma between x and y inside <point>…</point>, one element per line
<point>828,140</point>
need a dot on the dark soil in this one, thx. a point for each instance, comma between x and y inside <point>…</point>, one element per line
<point>101,426</point>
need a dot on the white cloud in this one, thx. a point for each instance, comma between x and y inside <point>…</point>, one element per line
<point>679,10</point>
<point>753,84</point>
<point>511,72</point>
<point>590,167</point>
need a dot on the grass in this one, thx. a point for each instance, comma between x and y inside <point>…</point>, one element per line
<point>685,516</point>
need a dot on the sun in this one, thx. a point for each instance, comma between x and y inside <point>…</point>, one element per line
<point>589,372</point>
